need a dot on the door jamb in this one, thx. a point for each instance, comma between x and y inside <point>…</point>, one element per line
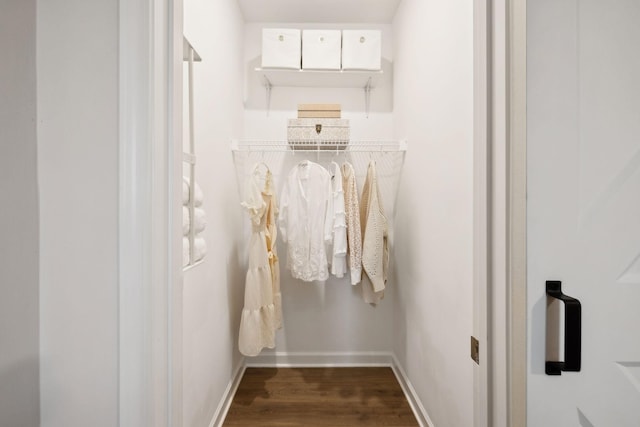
<point>517,202</point>
<point>481,215</point>
<point>146,27</point>
<point>149,278</point>
<point>500,211</point>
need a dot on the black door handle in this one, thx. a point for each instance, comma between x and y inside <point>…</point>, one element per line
<point>572,331</point>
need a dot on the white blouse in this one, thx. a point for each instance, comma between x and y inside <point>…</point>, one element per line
<point>306,220</point>
<point>339,249</point>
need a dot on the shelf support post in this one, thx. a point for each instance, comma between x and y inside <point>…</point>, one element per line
<point>367,96</point>
<point>267,88</point>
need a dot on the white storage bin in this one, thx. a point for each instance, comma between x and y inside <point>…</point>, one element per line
<point>281,48</point>
<point>361,49</point>
<point>321,49</point>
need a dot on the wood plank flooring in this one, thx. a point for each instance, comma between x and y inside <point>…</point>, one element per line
<point>315,397</point>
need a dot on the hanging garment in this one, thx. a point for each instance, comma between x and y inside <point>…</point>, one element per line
<point>352,217</point>
<point>306,220</point>
<point>338,250</point>
<point>261,315</point>
<point>271,235</point>
<point>375,252</point>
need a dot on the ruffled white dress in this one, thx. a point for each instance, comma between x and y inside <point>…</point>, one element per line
<point>262,313</point>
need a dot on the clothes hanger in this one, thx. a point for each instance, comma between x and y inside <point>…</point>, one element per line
<point>256,168</point>
<point>259,173</point>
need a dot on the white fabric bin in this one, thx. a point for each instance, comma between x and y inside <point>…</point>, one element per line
<point>281,48</point>
<point>321,49</point>
<point>361,49</point>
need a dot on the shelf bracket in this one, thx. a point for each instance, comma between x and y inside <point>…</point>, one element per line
<point>367,96</point>
<point>267,88</point>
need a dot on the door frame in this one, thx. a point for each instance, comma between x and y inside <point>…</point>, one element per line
<point>500,310</point>
<point>150,287</point>
<point>517,214</point>
<point>149,278</point>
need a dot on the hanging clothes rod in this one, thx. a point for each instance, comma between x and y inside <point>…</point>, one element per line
<point>316,146</point>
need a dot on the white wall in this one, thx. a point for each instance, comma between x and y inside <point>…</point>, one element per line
<point>77,83</point>
<point>19,370</point>
<point>433,77</point>
<point>331,317</point>
<point>213,291</point>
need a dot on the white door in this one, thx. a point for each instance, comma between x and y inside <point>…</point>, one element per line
<point>583,207</point>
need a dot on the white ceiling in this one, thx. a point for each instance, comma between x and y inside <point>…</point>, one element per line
<point>319,11</point>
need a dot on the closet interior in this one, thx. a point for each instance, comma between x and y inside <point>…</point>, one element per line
<point>412,119</point>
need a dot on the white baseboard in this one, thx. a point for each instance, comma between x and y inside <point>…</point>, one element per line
<point>316,359</point>
<point>227,396</point>
<point>412,396</point>
<point>322,360</point>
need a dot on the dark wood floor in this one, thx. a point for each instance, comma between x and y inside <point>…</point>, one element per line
<point>313,397</point>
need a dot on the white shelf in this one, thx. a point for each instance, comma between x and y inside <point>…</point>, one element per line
<point>257,145</point>
<point>320,11</point>
<point>320,78</point>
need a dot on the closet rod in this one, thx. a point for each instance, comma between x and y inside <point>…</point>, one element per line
<point>318,146</point>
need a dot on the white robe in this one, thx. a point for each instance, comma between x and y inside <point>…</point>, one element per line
<point>306,220</point>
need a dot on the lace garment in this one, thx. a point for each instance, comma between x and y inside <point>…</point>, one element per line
<point>352,218</point>
<point>375,252</point>
<point>338,250</point>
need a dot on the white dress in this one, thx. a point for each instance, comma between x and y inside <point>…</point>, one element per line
<point>262,313</point>
<point>306,220</point>
<point>375,252</point>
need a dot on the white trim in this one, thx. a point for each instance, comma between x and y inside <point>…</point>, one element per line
<point>416,404</point>
<point>517,302</point>
<point>481,203</point>
<point>499,280</point>
<point>134,206</point>
<point>174,167</point>
<point>227,397</point>
<point>149,387</point>
<point>320,359</point>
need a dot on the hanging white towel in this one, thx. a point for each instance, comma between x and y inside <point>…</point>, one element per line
<point>197,195</point>
<point>199,218</point>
